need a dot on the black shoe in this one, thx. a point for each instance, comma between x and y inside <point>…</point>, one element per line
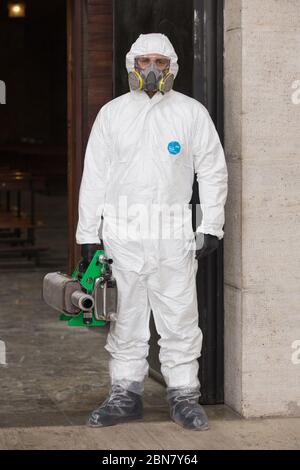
<point>121,406</point>
<point>185,409</point>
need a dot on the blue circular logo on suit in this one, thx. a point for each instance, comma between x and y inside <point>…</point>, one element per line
<point>174,147</point>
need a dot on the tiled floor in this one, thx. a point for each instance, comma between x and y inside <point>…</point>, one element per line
<point>55,375</point>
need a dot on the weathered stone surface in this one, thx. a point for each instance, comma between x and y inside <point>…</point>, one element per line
<point>262,231</point>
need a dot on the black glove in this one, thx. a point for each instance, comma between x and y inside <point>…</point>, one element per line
<point>205,244</point>
<point>88,251</point>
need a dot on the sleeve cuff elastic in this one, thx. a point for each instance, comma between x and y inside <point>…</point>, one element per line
<point>210,230</point>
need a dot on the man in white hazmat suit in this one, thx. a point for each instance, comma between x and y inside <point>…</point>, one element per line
<point>143,151</point>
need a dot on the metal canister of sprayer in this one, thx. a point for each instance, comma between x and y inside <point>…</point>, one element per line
<point>105,293</point>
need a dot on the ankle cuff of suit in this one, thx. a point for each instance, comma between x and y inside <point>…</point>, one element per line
<point>132,386</point>
<point>183,391</point>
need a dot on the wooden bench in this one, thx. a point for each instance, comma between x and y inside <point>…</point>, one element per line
<point>17,228</point>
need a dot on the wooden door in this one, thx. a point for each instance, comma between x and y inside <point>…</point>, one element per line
<point>90,43</point>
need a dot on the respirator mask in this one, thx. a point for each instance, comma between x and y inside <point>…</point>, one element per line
<point>151,75</point>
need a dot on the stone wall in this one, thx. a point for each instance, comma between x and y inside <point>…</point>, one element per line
<point>262,231</point>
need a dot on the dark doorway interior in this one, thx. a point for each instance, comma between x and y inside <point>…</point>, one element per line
<point>33,137</point>
<point>195,27</point>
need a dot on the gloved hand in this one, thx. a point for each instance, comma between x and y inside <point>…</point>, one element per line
<point>205,244</point>
<point>88,251</point>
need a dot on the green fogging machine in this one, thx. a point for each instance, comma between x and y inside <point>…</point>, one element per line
<point>86,298</point>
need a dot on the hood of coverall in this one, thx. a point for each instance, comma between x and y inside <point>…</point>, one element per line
<point>153,43</point>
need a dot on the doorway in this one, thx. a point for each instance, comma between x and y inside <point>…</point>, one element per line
<point>100,33</point>
<point>33,137</point>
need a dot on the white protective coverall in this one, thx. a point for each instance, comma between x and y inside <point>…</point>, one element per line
<point>131,157</point>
